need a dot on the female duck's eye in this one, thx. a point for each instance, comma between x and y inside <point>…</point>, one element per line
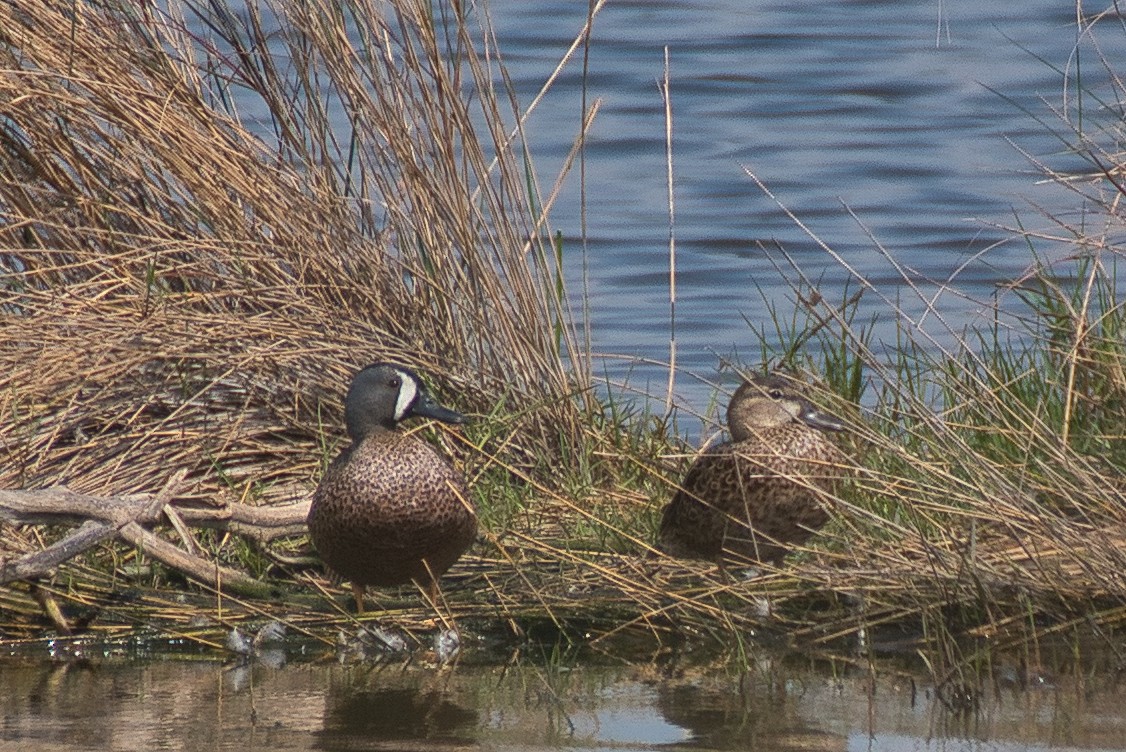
<point>775,394</point>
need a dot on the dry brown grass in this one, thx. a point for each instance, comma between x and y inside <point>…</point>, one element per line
<point>177,292</point>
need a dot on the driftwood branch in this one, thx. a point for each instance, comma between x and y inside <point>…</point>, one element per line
<point>36,564</point>
<point>61,506</point>
<point>128,518</point>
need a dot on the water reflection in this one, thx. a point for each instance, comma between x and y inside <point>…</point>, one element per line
<point>119,704</point>
<point>360,706</point>
<point>721,715</point>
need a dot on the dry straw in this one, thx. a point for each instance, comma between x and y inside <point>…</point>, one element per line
<point>180,291</point>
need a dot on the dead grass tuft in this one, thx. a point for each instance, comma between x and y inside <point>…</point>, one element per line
<point>182,291</point>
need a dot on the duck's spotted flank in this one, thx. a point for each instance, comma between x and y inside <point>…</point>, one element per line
<point>753,498</point>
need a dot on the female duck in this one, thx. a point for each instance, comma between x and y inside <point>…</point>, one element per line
<point>754,497</point>
<point>391,510</point>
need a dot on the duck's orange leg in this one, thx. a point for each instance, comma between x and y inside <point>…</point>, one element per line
<point>358,595</point>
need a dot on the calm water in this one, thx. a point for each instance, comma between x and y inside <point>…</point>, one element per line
<point>195,705</point>
<point>884,108</point>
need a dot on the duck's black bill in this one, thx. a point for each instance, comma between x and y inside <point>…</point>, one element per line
<point>818,419</point>
<point>428,407</point>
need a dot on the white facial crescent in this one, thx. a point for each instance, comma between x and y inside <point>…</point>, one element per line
<point>408,391</point>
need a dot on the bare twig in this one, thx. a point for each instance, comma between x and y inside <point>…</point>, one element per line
<point>127,517</point>
<point>61,506</point>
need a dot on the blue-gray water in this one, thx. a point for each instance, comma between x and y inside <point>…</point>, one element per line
<point>907,114</point>
<point>117,704</point>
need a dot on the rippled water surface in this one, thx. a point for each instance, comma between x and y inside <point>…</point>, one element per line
<point>196,705</point>
<point>907,115</point>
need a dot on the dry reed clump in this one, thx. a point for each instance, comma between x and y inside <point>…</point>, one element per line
<point>179,291</point>
<point>990,495</point>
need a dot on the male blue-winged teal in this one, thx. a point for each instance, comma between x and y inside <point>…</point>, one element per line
<point>390,509</point>
<point>752,498</point>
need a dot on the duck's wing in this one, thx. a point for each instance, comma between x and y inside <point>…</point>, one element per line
<point>693,522</point>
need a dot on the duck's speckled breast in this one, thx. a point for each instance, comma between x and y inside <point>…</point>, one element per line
<point>385,505</point>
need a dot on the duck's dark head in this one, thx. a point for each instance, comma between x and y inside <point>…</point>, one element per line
<point>383,394</point>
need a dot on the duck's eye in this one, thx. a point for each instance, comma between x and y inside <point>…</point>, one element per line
<point>394,382</point>
<point>775,393</point>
